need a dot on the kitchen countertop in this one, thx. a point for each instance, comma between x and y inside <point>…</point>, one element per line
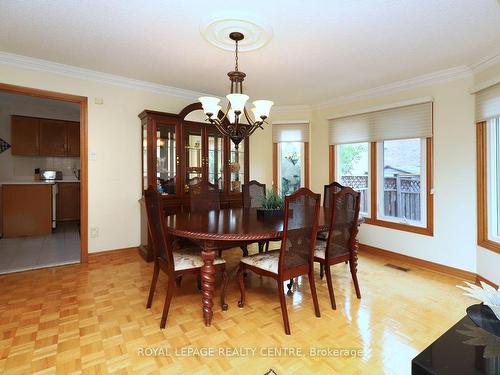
<point>36,182</point>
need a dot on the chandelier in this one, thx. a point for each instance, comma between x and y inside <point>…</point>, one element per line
<point>230,123</point>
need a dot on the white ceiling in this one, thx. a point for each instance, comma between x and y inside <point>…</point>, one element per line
<point>320,49</point>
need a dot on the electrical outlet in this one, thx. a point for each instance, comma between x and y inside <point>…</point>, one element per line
<point>94,232</point>
<point>92,155</point>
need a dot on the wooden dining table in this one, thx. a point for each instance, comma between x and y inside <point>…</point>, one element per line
<point>221,229</point>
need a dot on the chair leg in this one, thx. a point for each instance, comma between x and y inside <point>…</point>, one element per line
<point>321,271</point>
<point>284,312</point>
<point>355,278</point>
<point>290,284</point>
<point>312,285</point>
<point>330,286</point>
<point>267,246</point>
<point>168,299</point>
<point>198,281</point>
<point>244,248</point>
<point>241,271</point>
<point>225,280</point>
<point>156,271</point>
<point>178,281</point>
<point>220,253</point>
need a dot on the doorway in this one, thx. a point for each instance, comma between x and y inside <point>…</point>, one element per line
<point>73,159</point>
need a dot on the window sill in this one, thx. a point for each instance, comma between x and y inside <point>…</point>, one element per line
<point>426,231</point>
<point>490,245</point>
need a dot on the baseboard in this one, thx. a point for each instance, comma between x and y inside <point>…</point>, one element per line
<point>485,280</point>
<point>113,251</point>
<point>431,266</point>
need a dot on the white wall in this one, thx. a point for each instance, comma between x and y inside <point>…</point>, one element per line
<point>22,167</point>
<point>114,135</point>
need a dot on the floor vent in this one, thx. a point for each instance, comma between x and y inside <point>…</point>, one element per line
<point>397,267</point>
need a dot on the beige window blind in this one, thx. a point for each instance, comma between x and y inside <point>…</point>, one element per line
<point>290,132</point>
<point>488,103</point>
<point>410,121</point>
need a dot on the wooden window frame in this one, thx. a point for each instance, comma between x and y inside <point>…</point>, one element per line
<point>482,188</point>
<point>275,165</point>
<point>428,230</point>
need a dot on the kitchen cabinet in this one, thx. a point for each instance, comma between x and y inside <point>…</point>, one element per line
<point>52,138</point>
<point>33,136</point>
<point>68,201</point>
<point>26,209</point>
<point>72,138</point>
<point>25,136</point>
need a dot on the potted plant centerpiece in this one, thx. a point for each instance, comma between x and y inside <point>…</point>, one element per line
<point>272,204</point>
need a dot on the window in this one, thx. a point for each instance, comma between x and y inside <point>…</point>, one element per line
<point>488,167</point>
<point>402,181</point>
<point>493,177</point>
<point>386,155</point>
<point>290,167</point>
<point>488,172</point>
<point>353,170</point>
<point>290,156</point>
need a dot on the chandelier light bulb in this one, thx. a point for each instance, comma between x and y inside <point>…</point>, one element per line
<point>237,101</point>
<point>210,105</point>
<point>262,109</point>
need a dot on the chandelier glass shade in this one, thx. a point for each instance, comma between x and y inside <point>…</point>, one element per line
<point>230,122</point>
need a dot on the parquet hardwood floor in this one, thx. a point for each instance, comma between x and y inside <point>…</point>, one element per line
<point>91,319</point>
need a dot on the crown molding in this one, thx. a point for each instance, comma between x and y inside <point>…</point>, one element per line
<point>291,108</point>
<point>485,63</point>
<point>93,75</point>
<point>112,79</point>
<point>419,81</point>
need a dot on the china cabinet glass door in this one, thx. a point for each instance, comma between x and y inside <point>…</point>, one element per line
<point>236,167</point>
<point>144,156</point>
<point>216,160</point>
<point>166,159</point>
<point>193,155</point>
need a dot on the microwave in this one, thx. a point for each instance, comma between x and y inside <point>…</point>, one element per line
<point>51,175</point>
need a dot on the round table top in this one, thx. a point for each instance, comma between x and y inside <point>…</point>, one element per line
<point>231,224</point>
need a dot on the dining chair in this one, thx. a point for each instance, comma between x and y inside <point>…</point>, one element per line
<point>204,196</point>
<point>333,187</point>
<point>253,194</point>
<point>174,263</point>
<point>295,256</point>
<point>341,243</point>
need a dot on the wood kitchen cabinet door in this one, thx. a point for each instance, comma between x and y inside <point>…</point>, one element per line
<point>24,136</point>
<point>53,138</point>
<point>73,138</point>
<point>68,201</point>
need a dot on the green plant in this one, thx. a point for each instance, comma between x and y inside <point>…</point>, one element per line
<point>272,200</point>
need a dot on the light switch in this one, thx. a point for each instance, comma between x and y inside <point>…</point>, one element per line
<point>98,100</point>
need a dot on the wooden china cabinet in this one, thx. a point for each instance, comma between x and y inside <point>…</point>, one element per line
<point>180,150</point>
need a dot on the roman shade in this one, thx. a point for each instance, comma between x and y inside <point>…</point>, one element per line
<point>488,103</point>
<point>290,132</point>
<point>410,121</point>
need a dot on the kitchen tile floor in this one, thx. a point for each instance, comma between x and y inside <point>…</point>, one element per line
<point>27,253</point>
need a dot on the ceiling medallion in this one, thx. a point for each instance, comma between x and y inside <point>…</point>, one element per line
<point>217,33</point>
<point>229,123</point>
